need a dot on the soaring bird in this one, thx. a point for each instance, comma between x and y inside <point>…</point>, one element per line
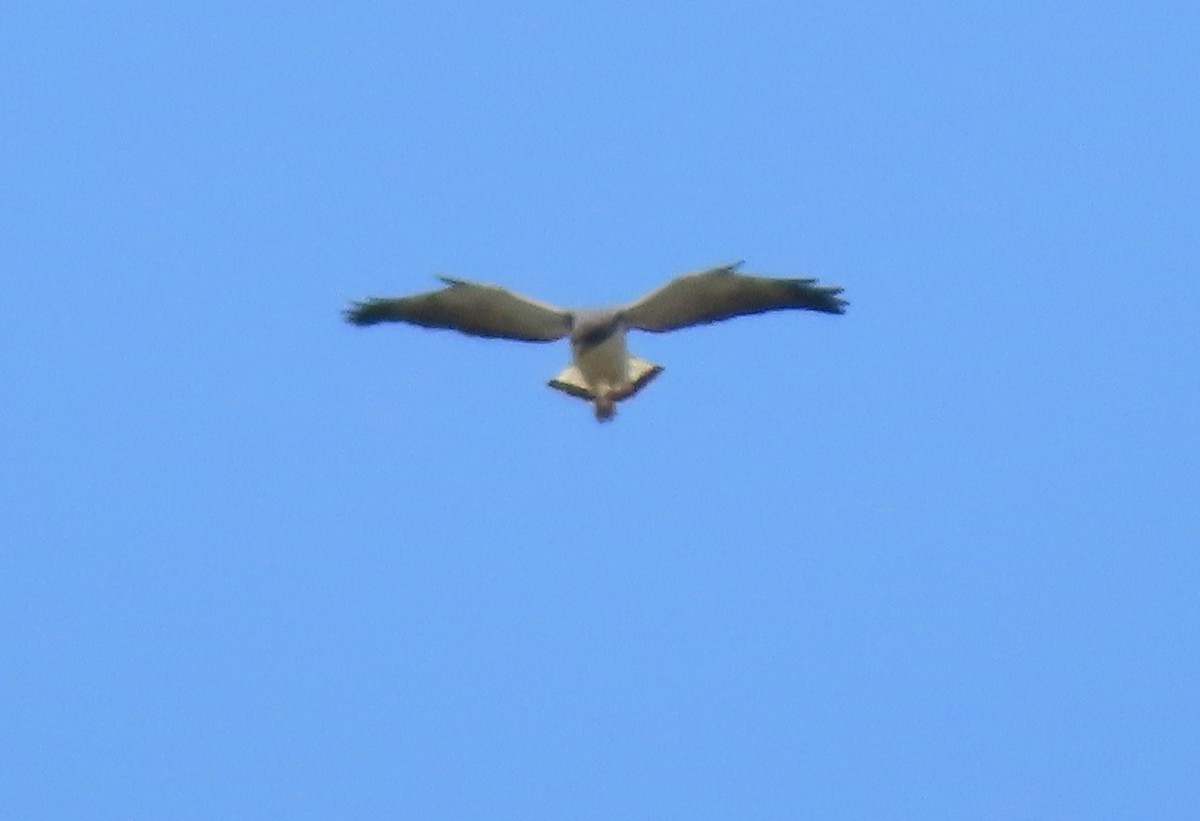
<point>602,371</point>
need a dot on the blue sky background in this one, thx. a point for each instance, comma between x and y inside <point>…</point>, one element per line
<point>937,558</point>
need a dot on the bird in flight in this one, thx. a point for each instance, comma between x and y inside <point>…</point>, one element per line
<point>602,371</point>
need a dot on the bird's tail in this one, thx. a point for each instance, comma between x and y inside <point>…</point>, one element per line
<point>570,380</point>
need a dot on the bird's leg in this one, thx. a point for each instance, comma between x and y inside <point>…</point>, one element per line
<point>605,407</point>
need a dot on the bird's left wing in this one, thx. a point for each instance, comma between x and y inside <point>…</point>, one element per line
<point>469,307</point>
<point>722,293</point>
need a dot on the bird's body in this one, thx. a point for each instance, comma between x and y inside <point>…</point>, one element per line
<point>601,371</point>
<point>604,363</point>
<point>605,369</point>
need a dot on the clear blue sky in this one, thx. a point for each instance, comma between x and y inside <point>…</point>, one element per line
<point>937,558</point>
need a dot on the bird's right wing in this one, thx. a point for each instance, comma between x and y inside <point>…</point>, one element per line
<point>470,307</point>
<point>722,293</point>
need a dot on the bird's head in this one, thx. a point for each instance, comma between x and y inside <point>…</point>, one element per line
<point>590,328</point>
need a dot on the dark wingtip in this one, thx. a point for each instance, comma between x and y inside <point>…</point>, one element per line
<point>824,298</point>
<point>358,314</point>
<point>838,304</point>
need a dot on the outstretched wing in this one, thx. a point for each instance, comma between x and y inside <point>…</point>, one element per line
<point>469,307</point>
<point>722,293</point>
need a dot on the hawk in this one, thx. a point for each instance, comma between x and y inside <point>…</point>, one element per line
<point>602,371</point>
